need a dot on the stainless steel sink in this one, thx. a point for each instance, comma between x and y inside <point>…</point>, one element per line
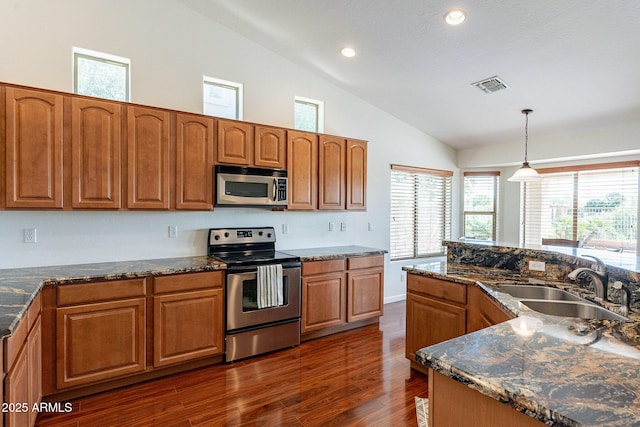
<point>583,310</point>
<point>538,292</point>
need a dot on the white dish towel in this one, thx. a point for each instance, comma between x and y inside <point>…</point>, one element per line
<point>270,292</point>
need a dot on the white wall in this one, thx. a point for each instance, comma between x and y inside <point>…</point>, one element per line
<point>171,48</point>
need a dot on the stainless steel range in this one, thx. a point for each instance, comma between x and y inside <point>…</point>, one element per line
<point>262,291</point>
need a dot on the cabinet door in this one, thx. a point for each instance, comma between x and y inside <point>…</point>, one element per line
<point>430,321</point>
<point>194,162</point>
<point>323,301</point>
<point>34,123</point>
<point>365,298</point>
<point>356,175</point>
<point>96,342</point>
<point>270,147</point>
<point>16,391</point>
<point>234,142</point>
<point>95,153</point>
<point>331,173</point>
<point>147,158</point>
<point>34,347</point>
<point>482,312</point>
<point>187,326</point>
<point>302,165</point>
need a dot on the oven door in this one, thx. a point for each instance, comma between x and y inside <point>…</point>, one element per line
<point>242,304</point>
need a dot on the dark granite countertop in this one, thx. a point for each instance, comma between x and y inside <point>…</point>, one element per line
<point>333,252</point>
<point>561,371</point>
<point>19,286</point>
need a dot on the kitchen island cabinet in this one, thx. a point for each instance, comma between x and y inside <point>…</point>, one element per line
<point>436,312</point>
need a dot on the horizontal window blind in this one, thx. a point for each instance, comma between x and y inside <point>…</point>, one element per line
<point>480,205</point>
<point>596,205</point>
<point>420,211</point>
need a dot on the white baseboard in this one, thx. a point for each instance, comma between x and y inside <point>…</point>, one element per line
<point>395,298</point>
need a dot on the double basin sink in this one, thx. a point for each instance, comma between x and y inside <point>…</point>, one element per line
<point>557,302</point>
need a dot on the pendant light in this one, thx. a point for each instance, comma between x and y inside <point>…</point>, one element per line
<point>526,172</point>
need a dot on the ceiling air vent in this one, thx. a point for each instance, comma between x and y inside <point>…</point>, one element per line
<point>490,85</point>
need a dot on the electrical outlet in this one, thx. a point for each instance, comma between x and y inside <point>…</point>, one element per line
<point>285,228</point>
<point>332,227</point>
<point>537,265</point>
<point>30,235</point>
<point>343,226</point>
<point>173,231</point>
<point>370,226</point>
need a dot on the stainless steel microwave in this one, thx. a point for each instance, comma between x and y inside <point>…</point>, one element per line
<point>244,186</point>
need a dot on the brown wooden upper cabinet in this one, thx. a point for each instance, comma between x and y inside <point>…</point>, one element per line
<point>356,175</point>
<point>96,145</point>
<point>332,172</point>
<point>148,158</point>
<point>194,162</point>
<point>342,180</point>
<point>302,167</point>
<point>234,142</point>
<point>34,135</point>
<point>270,147</point>
<point>246,144</point>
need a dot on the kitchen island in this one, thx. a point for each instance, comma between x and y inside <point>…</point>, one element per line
<point>559,371</point>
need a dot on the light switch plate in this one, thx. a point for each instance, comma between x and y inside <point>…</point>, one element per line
<point>537,265</point>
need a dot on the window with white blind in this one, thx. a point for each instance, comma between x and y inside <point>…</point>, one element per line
<point>596,205</point>
<point>480,205</point>
<point>420,211</point>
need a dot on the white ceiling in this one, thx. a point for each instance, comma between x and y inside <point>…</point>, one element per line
<point>576,63</point>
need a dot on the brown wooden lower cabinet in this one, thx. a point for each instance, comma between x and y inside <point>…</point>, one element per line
<point>187,326</point>
<point>107,334</point>
<point>337,294</point>
<point>439,310</point>
<point>476,409</point>
<point>96,342</point>
<point>23,363</point>
<point>482,312</point>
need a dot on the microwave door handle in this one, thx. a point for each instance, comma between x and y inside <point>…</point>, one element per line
<point>275,189</point>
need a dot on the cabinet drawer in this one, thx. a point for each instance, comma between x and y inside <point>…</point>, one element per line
<point>365,262</point>
<point>187,282</point>
<point>319,267</point>
<point>100,291</point>
<point>442,289</point>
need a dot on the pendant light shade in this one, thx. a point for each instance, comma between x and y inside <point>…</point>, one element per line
<point>526,172</point>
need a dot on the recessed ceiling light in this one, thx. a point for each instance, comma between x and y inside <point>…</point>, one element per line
<point>455,17</point>
<point>349,52</point>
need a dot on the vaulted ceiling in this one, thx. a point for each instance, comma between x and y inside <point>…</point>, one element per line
<point>576,63</point>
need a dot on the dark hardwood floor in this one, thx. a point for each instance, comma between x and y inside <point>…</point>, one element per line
<point>358,378</point>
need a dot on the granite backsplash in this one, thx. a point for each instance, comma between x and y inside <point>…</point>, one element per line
<point>557,265</point>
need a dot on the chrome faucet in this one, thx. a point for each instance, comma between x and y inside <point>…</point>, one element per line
<point>599,277</point>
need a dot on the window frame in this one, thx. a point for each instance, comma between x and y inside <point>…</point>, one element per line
<point>227,84</point>
<point>319,107</point>
<point>494,212</point>
<point>419,223</point>
<point>103,57</point>
<point>572,173</point>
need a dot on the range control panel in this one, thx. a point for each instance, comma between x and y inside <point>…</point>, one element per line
<point>235,236</point>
